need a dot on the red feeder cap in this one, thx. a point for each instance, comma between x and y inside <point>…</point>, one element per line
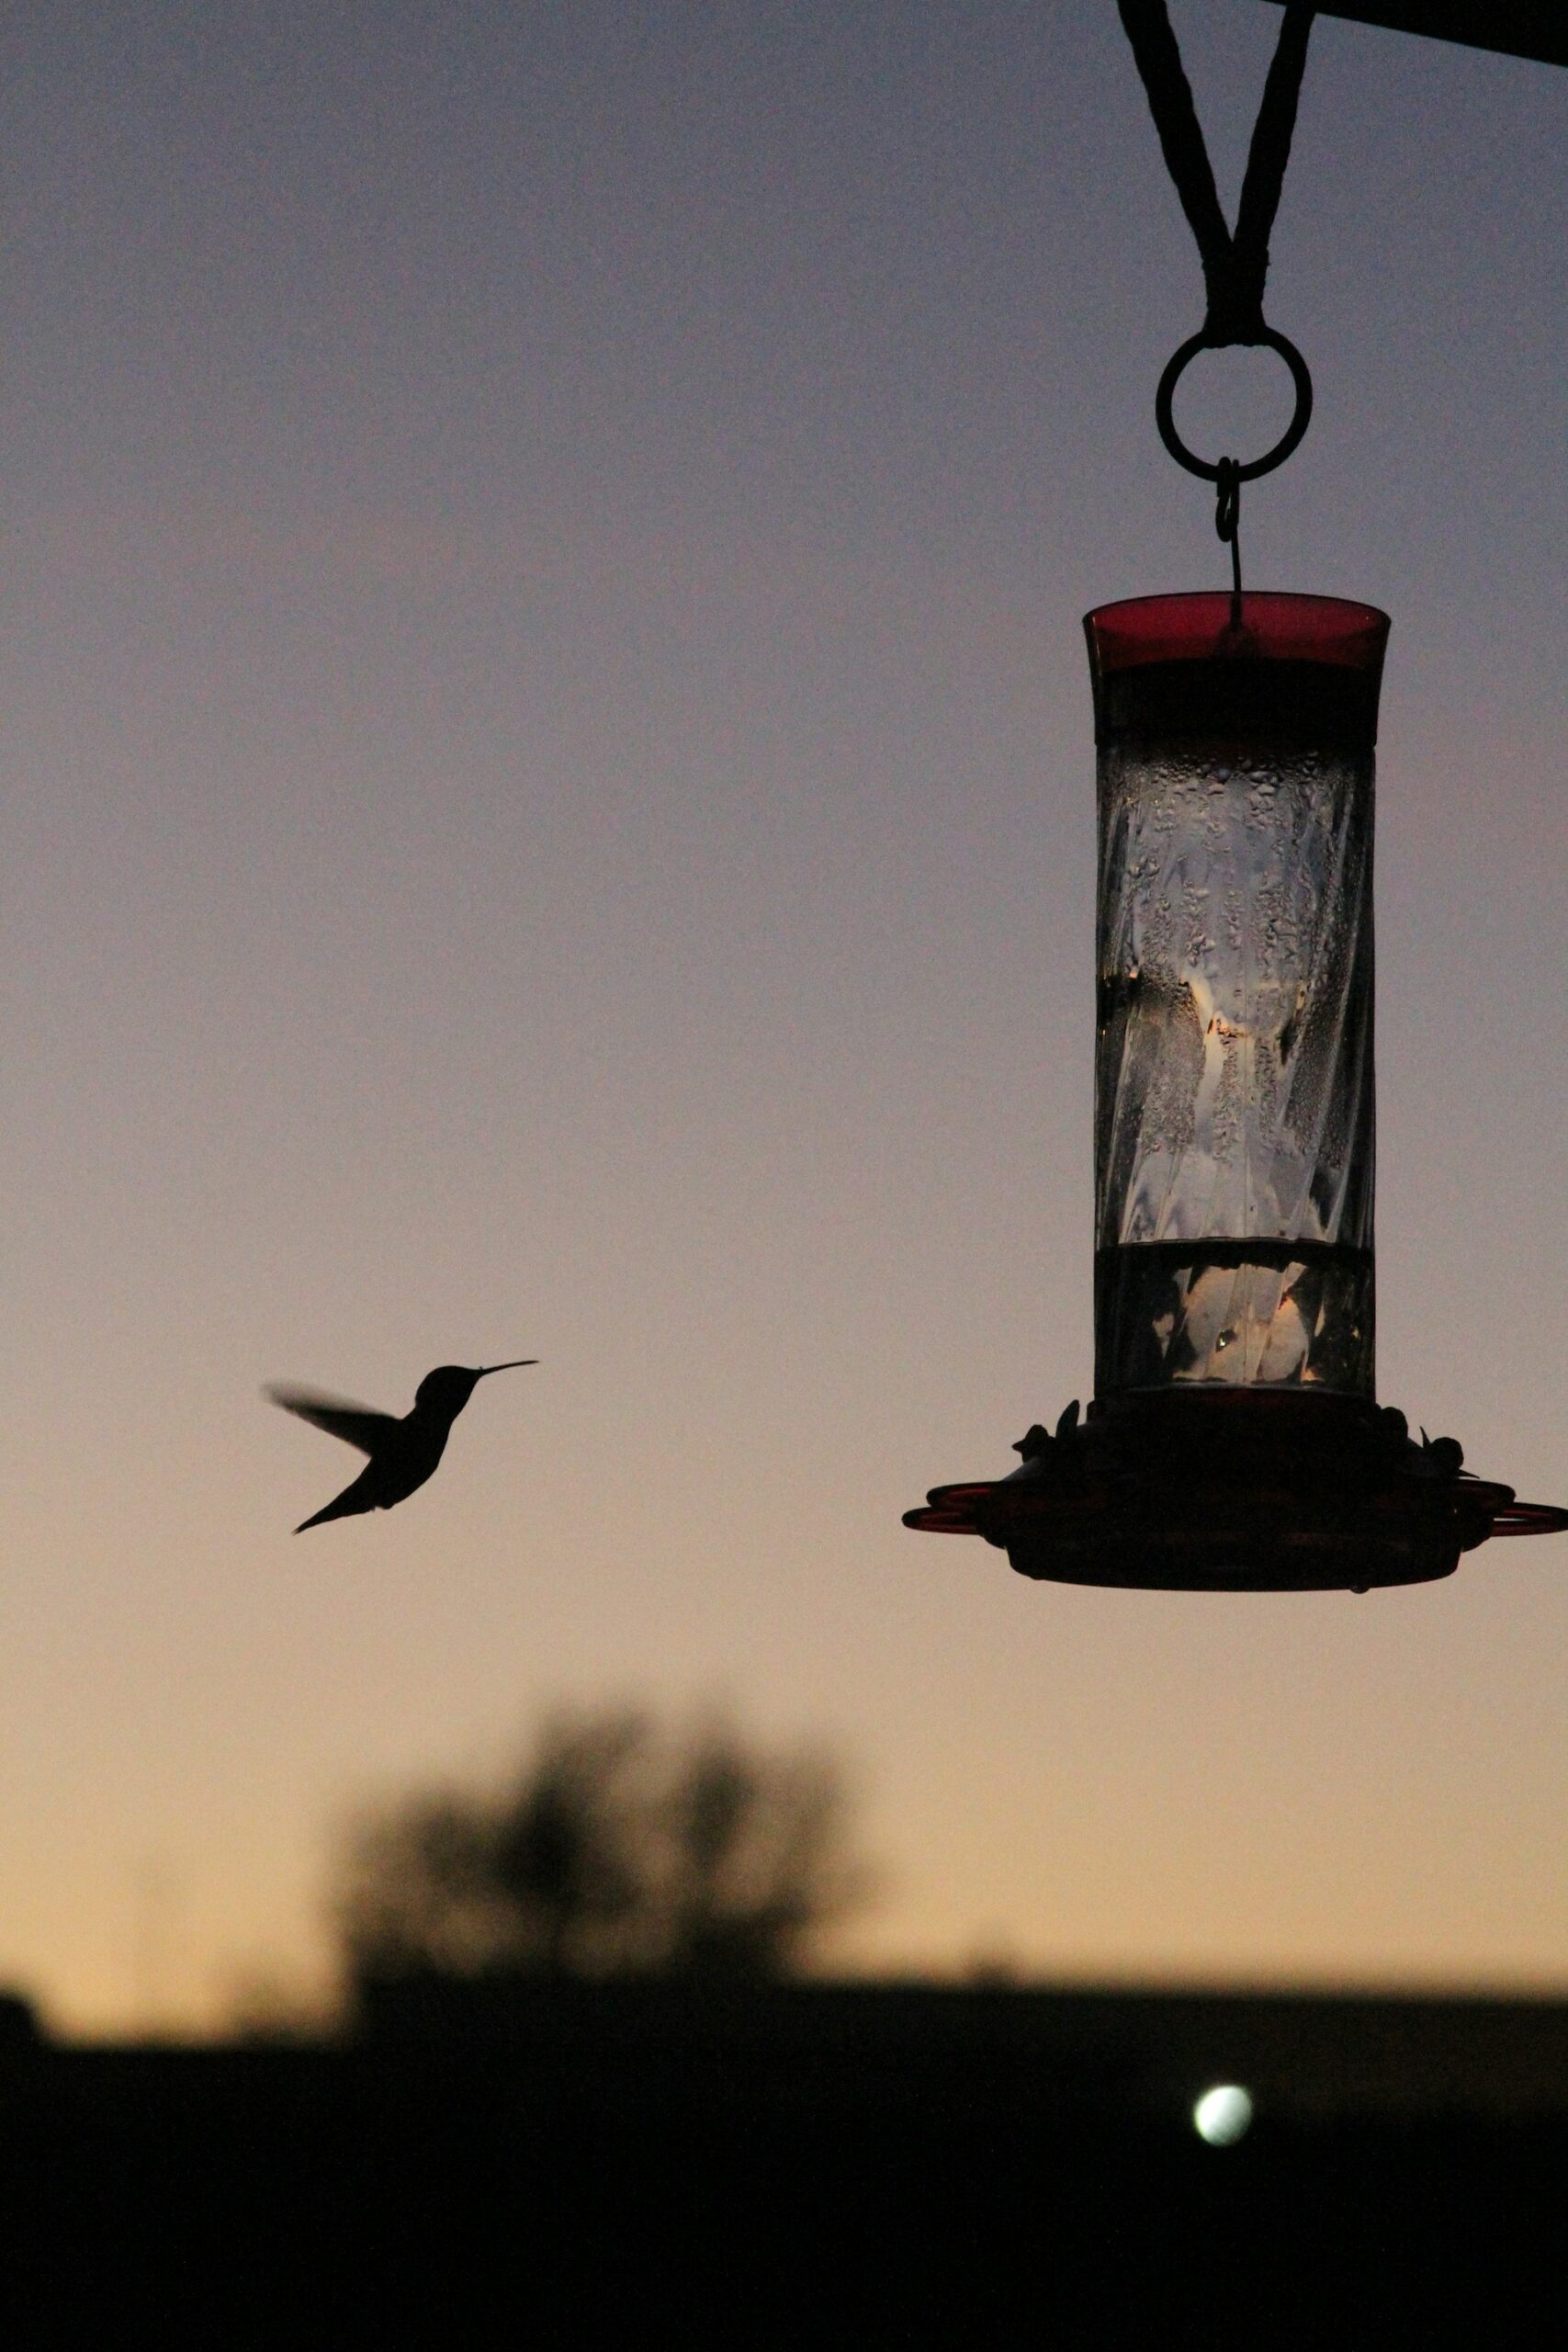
<point>1198,628</point>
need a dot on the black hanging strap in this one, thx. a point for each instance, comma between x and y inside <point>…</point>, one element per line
<point>1235,267</point>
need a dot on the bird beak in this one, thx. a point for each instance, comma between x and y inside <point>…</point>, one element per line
<point>515,1365</point>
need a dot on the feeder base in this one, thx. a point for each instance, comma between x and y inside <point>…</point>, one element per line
<point>1205,1489</point>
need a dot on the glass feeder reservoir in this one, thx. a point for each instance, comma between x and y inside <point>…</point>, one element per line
<point>1234,1440</point>
<point>1233,1067</point>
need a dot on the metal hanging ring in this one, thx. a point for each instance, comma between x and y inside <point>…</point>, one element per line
<point>1177,366</point>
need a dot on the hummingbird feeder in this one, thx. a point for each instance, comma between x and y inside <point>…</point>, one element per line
<point>1235,1441</point>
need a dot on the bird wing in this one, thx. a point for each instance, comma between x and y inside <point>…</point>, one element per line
<point>356,1424</point>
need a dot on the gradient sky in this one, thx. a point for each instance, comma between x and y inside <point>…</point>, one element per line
<point>549,811</point>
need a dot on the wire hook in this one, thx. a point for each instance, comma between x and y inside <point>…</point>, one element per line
<point>1228,524</point>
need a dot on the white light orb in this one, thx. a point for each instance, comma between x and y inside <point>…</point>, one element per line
<point>1221,2115</point>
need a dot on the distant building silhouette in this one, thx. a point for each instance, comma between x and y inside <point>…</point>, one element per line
<point>19,2027</point>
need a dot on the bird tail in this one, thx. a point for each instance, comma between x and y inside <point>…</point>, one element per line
<point>343,1505</point>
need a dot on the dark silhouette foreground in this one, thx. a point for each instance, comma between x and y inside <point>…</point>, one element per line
<point>402,1454</point>
<point>759,2167</point>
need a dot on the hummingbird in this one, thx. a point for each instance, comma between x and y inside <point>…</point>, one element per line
<point>402,1454</point>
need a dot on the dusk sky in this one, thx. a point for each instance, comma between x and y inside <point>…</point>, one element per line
<point>549,812</point>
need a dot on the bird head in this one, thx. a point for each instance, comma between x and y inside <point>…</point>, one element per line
<point>448,1388</point>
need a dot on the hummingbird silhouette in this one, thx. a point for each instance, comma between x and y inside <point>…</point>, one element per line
<point>402,1454</point>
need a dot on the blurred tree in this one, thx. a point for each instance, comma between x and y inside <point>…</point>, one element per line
<point>617,1852</point>
<point>270,2008</point>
